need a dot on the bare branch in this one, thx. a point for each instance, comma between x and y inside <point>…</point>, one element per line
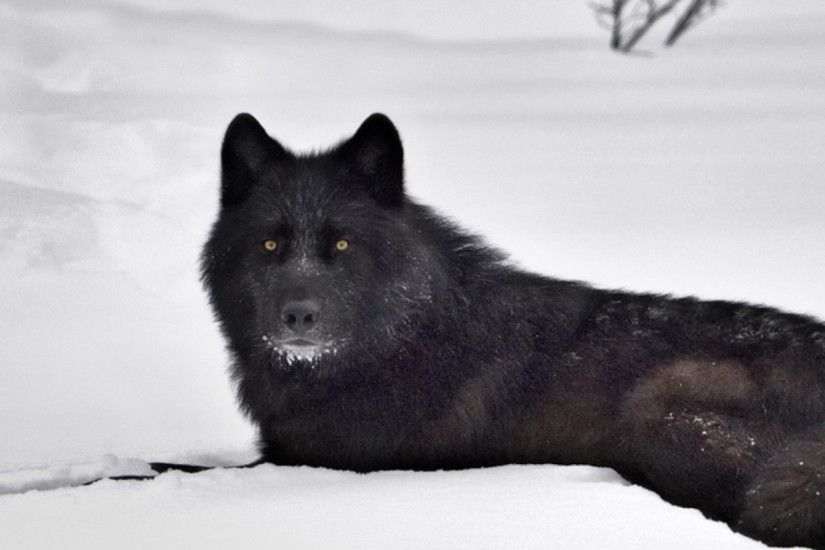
<point>630,20</point>
<point>616,36</point>
<point>653,15</point>
<point>696,11</point>
<point>610,14</point>
<point>603,14</point>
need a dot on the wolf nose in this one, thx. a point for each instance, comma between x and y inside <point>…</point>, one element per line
<point>300,315</point>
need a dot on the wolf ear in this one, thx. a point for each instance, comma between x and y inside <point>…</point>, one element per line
<point>377,156</point>
<point>246,151</point>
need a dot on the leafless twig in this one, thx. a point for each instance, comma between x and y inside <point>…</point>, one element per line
<point>654,12</point>
<point>630,20</point>
<point>696,11</point>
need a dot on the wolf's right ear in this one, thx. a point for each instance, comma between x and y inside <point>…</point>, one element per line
<point>246,151</point>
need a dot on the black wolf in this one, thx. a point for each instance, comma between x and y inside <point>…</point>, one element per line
<point>369,333</point>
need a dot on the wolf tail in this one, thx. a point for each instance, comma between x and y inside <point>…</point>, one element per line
<point>785,503</point>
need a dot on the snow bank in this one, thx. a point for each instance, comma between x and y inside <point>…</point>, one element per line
<point>508,507</point>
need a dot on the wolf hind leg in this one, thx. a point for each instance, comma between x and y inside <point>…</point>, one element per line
<point>685,432</point>
<point>784,504</point>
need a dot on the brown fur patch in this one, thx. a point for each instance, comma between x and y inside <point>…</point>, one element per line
<point>693,385</point>
<point>683,428</point>
<point>469,410</point>
<point>471,404</point>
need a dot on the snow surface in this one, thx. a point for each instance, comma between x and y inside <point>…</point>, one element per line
<point>697,170</point>
<point>278,507</point>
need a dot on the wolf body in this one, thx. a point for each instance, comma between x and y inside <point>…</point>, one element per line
<point>367,332</point>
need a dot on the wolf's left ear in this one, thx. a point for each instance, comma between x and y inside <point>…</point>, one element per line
<point>377,156</point>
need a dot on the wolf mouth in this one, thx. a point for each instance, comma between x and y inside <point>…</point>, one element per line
<point>301,343</point>
<point>300,349</point>
<point>303,353</point>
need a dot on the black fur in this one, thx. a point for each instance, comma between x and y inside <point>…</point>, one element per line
<point>434,353</point>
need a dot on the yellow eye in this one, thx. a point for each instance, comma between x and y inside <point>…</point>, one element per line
<point>270,245</point>
<point>342,245</point>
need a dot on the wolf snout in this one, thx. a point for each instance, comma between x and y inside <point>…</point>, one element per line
<point>300,316</point>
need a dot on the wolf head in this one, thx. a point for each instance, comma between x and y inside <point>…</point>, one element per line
<point>312,260</point>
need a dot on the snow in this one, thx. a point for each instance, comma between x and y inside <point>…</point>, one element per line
<point>505,507</point>
<point>696,170</point>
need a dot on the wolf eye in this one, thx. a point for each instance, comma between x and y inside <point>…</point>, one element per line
<point>341,245</point>
<point>270,245</point>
